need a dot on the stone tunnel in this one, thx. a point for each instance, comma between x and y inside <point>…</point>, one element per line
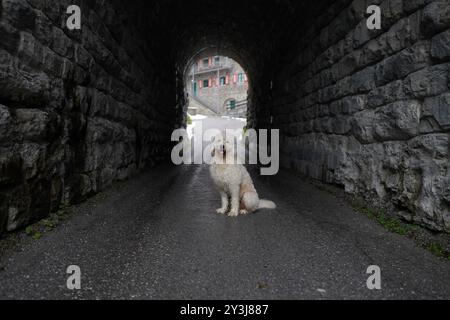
<point>365,110</point>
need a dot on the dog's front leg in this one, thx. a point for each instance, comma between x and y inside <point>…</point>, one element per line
<point>234,211</point>
<point>224,207</point>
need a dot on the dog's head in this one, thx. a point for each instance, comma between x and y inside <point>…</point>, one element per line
<point>223,148</point>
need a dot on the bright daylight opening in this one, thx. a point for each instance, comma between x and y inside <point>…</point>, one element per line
<point>216,88</point>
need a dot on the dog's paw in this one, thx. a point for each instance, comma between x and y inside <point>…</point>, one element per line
<point>243,211</point>
<point>221,210</point>
<point>233,213</point>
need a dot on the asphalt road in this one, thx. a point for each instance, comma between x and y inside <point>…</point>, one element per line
<point>157,236</point>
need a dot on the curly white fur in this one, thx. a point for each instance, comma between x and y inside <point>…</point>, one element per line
<point>235,185</point>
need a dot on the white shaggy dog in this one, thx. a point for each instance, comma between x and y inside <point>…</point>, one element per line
<point>235,185</point>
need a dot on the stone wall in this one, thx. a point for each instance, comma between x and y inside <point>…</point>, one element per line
<point>77,108</point>
<point>218,97</point>
<point>370,110</point>
<point>195,107</point>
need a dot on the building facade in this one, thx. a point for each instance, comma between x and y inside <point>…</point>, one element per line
<point>217,85</point>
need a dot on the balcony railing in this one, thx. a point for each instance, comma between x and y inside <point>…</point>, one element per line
<point>215,66</point>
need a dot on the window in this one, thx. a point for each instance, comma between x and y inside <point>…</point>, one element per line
<point>232,104</point>
<point>205,63</point>
<point>216,61</point>
<point>222,81</point>
<point>240,78</point>
<point>205,83</point>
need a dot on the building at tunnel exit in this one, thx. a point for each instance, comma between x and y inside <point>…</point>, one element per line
<point>365,110</point>
<point>217,85</point>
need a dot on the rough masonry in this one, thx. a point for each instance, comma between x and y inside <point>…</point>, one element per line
<point>370,110</point>
<point>77,109</point>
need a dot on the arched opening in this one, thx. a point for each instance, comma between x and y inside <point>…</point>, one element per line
<point>216,85</point>
<point>215,91</point>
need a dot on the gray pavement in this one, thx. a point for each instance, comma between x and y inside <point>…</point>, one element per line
<point>157,236</point>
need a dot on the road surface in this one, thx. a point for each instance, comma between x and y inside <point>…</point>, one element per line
<point>157,236</point>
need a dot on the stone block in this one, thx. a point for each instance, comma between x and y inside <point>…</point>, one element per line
<point>427,82</point>
<point>353,104</point>
<point>31,124</point>
<point>435,17</point>
<point>6,124</point>
<point>439,108</point>
<point>397,121</point>
<point>20,13</point>
<point>9,37</point>
<point>440,46</point>
<point>363,81</point>
<point>403,63</point>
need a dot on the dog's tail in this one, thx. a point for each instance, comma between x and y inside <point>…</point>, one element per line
<point>266,204</point>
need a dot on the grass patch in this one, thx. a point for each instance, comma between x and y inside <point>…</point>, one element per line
<point>36,230</point>
<point>437,250</point>
<point>396,225</point>
<point>392,224</point>
<point>32,232</point>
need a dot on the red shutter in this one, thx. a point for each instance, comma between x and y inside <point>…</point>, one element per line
<point>227,79</point>
<point>210,61</point>
<point>245,77</point>
<point>200,84</point>
<point>235,78</point>
<point>209,82</point>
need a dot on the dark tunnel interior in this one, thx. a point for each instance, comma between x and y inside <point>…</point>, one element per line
<point>361,109</point>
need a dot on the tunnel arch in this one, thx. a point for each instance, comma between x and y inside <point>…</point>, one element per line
<point>258,84</point>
